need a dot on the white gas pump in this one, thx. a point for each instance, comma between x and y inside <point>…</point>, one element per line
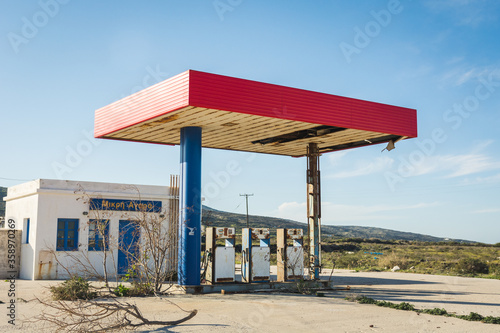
<point>290,258</point>
<point>220,267</point>
<point>256,259</point>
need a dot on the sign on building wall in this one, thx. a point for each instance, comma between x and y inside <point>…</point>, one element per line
<point>125,205</point>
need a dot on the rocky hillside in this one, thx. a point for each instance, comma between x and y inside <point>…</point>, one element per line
<point>217,218</point>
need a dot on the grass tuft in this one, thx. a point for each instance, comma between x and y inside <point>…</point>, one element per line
<point>436,311</point>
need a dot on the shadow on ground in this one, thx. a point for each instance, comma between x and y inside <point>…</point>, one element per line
<point>353,280</point>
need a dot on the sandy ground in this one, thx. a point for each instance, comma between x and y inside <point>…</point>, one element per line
<point>280,312</point>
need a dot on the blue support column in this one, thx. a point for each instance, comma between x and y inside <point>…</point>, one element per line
<point>190,208</point>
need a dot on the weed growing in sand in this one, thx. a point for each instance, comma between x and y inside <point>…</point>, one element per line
<point>436,311</point>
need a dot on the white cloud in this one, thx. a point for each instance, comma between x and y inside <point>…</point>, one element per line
<point>466,77</point>
<point>380,164</point>
<point>456,165</point>
<point>482,145</point>
<point>446,4</point>
<point>453,165</point>
<point>335,157</point>
<point>338,213</point>
<point>463,74</point>
<point>464,12</point>
<point>463,165</point>
<point>482,180</point>
<point>450,166</point>
<point>416,72</point>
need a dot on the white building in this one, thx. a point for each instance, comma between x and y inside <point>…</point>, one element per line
<point>59,218</point>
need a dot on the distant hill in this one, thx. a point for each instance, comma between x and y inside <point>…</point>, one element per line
<point>217,218</point>
<point>3,193</point>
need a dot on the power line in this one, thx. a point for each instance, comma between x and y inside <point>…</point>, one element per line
<point>234,210</point>
<point>19,180</point>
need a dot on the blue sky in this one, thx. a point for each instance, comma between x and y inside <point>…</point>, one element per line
<point>62,59</point>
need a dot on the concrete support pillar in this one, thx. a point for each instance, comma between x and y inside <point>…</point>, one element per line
<point>190,208</point>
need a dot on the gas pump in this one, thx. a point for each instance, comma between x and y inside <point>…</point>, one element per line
<point>290,258</point>
<point>220,267</point>
<point>256,260</point>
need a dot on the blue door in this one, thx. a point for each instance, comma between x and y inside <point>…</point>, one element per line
<point>128,245</point>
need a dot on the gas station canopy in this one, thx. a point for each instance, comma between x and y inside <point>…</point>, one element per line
<point>244,115</point>
<point>196,109</point>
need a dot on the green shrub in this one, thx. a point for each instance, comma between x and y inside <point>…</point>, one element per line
<point>471,266</point>
<point>136,289</point>
<point>385,304</point>
<point>472,317</point>
<point>121,291</point>
<point>141,289</point>
<point>348,261</point>
<point>366,300</point>
<point>494,269</point>
<point>73,289</point>
<point>436,312</point>
<point>404,306</point>
<point>491,320</point>
<point>401,306</point>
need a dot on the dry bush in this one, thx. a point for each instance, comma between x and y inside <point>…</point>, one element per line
<point>393,259</point>
<point>98,316</point>
<point>72,290</point>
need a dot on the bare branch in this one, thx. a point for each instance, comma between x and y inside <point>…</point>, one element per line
<point>99,316</point>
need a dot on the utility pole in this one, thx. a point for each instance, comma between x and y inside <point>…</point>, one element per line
<point>246,196</point>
